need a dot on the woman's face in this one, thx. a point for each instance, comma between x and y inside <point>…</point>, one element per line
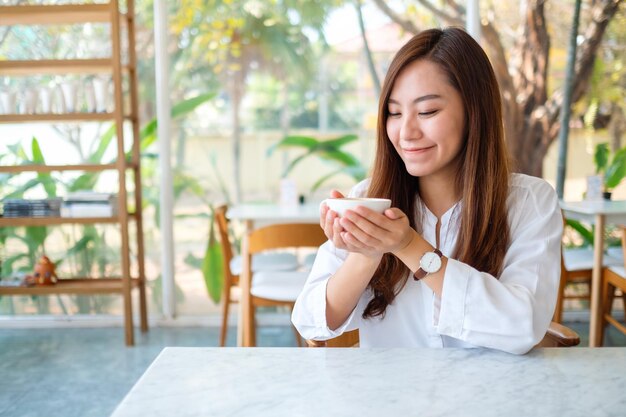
<point>426,121</point>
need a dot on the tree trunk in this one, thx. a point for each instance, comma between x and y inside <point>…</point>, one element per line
<point>617,126</point>
<point>366,48</point>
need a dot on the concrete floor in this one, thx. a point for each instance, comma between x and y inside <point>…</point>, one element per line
<point>70,372</point>
<point>65,372</point>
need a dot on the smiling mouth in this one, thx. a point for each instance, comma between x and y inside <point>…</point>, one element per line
<point>417,151</point>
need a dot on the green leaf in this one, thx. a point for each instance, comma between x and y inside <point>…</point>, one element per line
<point>36,235</point>
<point>616,171</point>
<point>148,132</point>
<point>7,263</point>
<point>44,178</point>
<point>187,106</point>
<point>37,154</point>
<point>103,145</point>
<point>193,261</point>
<point>342,157</point>
<point>212,268</point>
<point>585,233</point>
<point>601,157</point>
<point>85,181</point>
<point>19,193</point>
<point>340,141</point>
<point>305,142</point>
<point>80,246</point>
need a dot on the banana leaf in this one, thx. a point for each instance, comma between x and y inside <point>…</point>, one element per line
<point>212,268</point>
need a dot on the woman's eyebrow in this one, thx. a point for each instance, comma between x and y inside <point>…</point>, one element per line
<point>419,99</point>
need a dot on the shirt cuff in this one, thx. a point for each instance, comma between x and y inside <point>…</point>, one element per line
<point>319,293</point>
<point>453,300</point>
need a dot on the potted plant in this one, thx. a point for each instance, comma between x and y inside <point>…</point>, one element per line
<point>610,166</point>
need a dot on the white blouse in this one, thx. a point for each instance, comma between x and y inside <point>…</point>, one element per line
<point>511,314</point>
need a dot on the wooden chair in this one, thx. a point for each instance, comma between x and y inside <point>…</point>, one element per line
<point>279,288</point>
<point>232,266</point>
<point>576,266</point>
<point>613,277</point>
<point>556,336</point>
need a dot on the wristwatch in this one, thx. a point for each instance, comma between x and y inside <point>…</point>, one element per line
<point>429,264</point>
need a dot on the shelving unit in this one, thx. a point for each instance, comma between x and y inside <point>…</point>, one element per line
<point>108,13</point>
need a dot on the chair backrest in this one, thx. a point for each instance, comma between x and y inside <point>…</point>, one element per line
<point>287,235</point>
<point>556,336</point>
<point>227,250</point>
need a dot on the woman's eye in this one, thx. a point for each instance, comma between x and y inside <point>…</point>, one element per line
<point>428,113</point>
<point>394,114</point>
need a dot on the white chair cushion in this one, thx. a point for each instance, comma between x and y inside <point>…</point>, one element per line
<point>308,261</point>
<point>616,252</point>
<point>278,285</point>
<point>578,259</point>
<point>619,270</point>
<point>281,261</point>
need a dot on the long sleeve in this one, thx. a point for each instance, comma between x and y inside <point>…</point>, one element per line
<point>511,313</point>
<point>309,312</point>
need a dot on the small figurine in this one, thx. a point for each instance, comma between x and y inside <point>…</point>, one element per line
<point>44,273</point>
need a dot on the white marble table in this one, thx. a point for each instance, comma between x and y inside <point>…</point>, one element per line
<point>599,212</point>
<point>186,382</point>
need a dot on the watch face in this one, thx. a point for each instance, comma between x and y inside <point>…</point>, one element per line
<point>431,262</point>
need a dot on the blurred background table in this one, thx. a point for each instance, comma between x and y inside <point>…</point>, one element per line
<point>252,214</point>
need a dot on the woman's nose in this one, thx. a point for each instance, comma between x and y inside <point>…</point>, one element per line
<point>410,128</point>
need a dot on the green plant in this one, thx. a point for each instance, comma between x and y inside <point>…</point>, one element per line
<point>328,151</point>
<point>612,167</point>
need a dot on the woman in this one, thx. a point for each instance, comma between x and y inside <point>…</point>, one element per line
<point>468,254</point>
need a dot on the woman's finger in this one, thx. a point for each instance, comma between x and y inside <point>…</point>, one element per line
<point>336,194</point>
<point>362,228</point>
<point>336,234</point>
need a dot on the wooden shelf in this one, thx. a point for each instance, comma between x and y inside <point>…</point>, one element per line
<point>54,14</point>
<point>53,117</point>
<point>52,221</point>
<point>73,286</point>
<point>60,168</point>
<point>126,110</point>
<point>57,66</point>
<point>54,168</point>
<point>49,221</point>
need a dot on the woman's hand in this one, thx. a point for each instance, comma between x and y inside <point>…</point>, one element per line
<point>329,219</point>
<point>374,234</point>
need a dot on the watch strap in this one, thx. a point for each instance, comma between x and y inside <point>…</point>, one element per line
<point>420,273</point>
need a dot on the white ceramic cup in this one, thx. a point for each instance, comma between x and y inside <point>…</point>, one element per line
<point>340,205</point>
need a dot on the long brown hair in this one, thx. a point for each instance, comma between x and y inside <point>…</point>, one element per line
<point>483,175</point>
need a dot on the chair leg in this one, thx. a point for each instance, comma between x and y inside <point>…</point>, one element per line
<point>252,325</point>
<point>224,329</point>
<point>624,302</point>
<point>607,301</point>
<point>558,310</point>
